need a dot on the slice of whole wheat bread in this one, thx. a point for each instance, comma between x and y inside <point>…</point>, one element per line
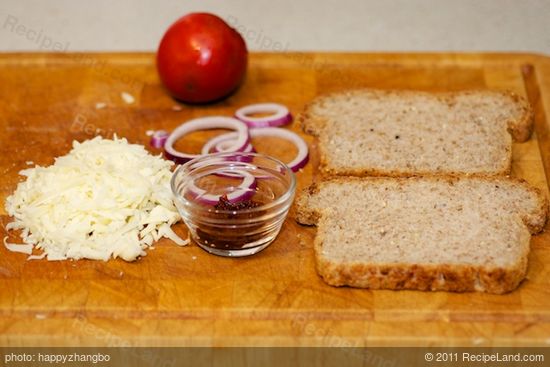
<point>431,233</point>
<point>405,133</point>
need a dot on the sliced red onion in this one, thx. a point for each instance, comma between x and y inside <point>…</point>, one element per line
<point>279,115</point>
<point>222,143</point>
<point>217,145</point>
<point>242,192</point>
<point>298,162</point>
<point>239,143</point>
<point>158,139</point>
<point>238,164</point>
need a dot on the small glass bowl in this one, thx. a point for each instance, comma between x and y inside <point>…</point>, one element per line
<point>234,204</point>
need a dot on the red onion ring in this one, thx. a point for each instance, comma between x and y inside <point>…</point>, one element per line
<point>217,145</point>
<point>159,138</point>
<point>222,147</point>
<point>242,192</point>
<point>280,115</point>
<point>298,162</point>
<point>239,143</point>
<point>221,143</point>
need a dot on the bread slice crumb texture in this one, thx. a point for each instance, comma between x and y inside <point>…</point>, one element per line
<point>424,221</point>
<point>400,133</point>
<point>431,233</point>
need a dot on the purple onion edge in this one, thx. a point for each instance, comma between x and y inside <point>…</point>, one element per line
<point>298,166</point>
<point>285,120</point>
<point>247,194</point>
<point>175,159</point>
<point>158,141</point>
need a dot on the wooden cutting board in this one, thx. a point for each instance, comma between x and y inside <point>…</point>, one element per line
<point>184,296</point>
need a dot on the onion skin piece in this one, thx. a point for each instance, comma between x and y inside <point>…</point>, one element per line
<point>205,123</point>
<point>158,139</point>
<point>246,188</point>
<point>280,115</point>
<point>295,165</point>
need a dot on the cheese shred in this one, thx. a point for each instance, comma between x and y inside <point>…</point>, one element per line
<point>105,198</point>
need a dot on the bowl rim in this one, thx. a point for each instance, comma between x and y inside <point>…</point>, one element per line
<point>286,196</point>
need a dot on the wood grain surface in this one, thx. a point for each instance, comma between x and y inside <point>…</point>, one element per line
<point>183,296</point>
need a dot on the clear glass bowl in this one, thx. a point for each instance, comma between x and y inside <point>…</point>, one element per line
<point>234,204</point>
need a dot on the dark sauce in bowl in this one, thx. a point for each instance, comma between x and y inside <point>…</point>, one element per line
<point>232,238</point>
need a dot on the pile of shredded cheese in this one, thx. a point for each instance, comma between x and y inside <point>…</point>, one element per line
<point>105,198</point>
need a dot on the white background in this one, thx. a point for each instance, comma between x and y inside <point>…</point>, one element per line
<point>344,25</point>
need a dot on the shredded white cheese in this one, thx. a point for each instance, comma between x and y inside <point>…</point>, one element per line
<point>106,198</point>
<point>127,98</point>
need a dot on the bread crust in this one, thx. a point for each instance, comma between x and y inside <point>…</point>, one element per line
<point>304,214</point>
<point>520,131</point>
<point>425,277</point>
<point>535,221</point>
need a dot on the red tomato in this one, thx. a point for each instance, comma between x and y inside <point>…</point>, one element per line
<point>201,59</point>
